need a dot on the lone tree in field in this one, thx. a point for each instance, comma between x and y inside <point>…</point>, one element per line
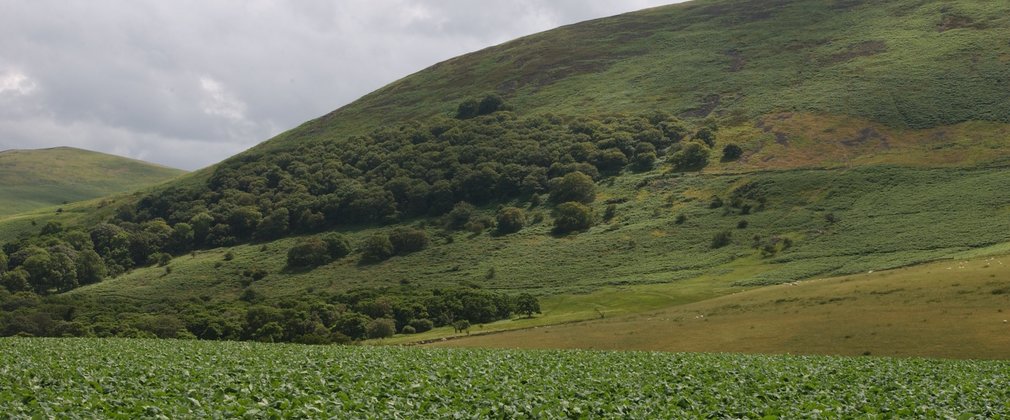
<point>527,304</point>
<point>461,326</point>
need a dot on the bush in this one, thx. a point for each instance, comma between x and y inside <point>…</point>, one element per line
<point>681,218</point>
<point>571,217</point>
<point>693,157</point>
<point>228,256</point>
<point>381,328</point>
<point>407,240</point>
<point>407,329</point>
<point>610,212</point>
<point>722,239</point>
<point>731,152</point>
<point>422,325</point>
<point>311,252</point>
<point>337,245</point>
<point>460,215</point>
<point>162,258</point>
<point>510,220</point>
<point>575,186</point>
<point>376,248</point>
<point>742,224</point>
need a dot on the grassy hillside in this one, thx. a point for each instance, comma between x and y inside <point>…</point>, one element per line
<point>716,147</point>
<point>907,63</point>
<point>954,308</point>
<point>32,179</point>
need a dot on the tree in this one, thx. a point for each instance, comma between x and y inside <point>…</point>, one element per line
<point>381,328</point>
<point>693,157</point>
<point>275,225</point>
<point>182,237</point>
<point>16,280</point>
<point>90,267</point>
<point>574,186</point>
<point>461,326</point>
<point>461,213</point>
<point>3,262</point>
<point>376,248</point>
<point>571,217</point>
<point>510,220</point>
<point>527,304</point>
<point>731,152</point>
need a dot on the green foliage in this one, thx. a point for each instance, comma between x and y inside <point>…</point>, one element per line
<point>572,217</point>
<point>184,379</point>
<point>377,248</point>
<point>381,328</point>
<point>408,240</point>
<point>692,157</point>
<point>310,252</point>
<point>721,239</point>
<point>337,245</point>
<point>731,152</point>
<point>510,220</point>
<point>527,304</point>
<point>575,186</point>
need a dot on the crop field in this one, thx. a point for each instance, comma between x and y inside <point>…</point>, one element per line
<point>171,379</point>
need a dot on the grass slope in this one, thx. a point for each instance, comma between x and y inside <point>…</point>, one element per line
<point>163,378</point>
<point>906,63</point>
<point>33,179</point>
<point>954,308</point>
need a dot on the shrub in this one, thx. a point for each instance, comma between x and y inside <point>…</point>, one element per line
<point>742,224</point>
<point>422,325</point>
<point>228,256</point>
<point>692,157</point>
<point>681,218</point>
<point>376,248</point>
<point>610,212</point>
<point>731,152</point>
<point>161,258</point>
<point>407,329</point>
<point>460,215</point>
<point>337,245</point>
<point>408,240</point>
<point>722,239</point>
<point>510,220</point>
<point>311,252</point>
<point>572,216</point>
<point>380,328</point>
<point>575,186</point>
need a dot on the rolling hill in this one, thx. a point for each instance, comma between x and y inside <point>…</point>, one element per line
<point>32,179</point>
<point>658,158</point>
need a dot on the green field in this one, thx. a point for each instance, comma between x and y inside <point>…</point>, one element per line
<point>34,179</point>
<point>165,378</point>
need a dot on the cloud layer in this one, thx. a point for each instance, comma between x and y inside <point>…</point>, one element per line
<point>187,83</point>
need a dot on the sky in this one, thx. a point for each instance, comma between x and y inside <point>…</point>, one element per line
<point>187,83</point>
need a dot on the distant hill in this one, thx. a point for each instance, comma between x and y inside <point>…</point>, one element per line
<point>31,179</point>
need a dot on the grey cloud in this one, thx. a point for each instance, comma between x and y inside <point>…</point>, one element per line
<point>187,83</point>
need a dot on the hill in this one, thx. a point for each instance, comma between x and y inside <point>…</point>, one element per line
<point>685,152</point>
<point>32,179</point>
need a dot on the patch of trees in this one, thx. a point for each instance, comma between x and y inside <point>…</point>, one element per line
<point>322,319</point>
<point>442,167</point>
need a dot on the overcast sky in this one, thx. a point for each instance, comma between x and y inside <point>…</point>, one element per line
<point>187,83</point>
